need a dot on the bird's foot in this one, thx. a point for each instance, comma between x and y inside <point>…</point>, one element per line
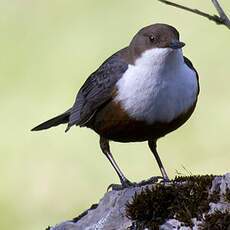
<point>127,183</point>
<point>165,180</point>
<point>124,184</point>
<point>151,180</point>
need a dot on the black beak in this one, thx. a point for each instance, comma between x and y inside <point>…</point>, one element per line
<point>176,45</point>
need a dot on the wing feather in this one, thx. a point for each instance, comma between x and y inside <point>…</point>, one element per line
<point>97,90</point>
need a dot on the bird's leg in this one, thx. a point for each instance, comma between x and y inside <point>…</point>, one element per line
<point>104,144</point>
<point>153,146</point>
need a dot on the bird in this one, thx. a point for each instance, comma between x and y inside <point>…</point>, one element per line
<point>139,94</point>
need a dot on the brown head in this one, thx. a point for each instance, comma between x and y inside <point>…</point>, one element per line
<point>155,36</point>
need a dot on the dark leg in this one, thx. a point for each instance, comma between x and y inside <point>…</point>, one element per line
<point>104,144</point>
<point>153,147</point>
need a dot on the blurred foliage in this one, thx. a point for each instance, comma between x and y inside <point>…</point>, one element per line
<point>48,48</point>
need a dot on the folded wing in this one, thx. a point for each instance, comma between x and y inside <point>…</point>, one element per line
<point>97,90</point>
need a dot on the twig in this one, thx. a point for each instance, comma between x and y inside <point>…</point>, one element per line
<point>222,19</point>
<point>221,13</point>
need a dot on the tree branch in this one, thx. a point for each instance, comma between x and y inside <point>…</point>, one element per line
<point>221,13</point>
<point>222,19</point>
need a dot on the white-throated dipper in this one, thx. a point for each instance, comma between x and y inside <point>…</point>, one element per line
<point>140,93</point>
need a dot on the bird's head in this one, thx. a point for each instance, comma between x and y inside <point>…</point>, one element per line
<point>159,38</point>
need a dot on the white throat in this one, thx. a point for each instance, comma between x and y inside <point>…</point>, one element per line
<point>158,87</point>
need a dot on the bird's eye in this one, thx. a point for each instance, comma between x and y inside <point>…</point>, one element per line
<point>151,38</point>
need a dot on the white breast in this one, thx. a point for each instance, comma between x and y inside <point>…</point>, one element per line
<point>158,87</point>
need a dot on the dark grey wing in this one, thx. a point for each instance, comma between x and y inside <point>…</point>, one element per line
<point>97,90</point>
<point>190,65</point>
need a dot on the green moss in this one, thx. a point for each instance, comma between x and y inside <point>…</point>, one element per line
<point>184,199</point>
<point>214,197</point>
<point>142,225</point>
<point>216,221</point>
<point>227,195</point>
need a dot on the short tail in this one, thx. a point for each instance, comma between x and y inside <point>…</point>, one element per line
<point>61,119</point>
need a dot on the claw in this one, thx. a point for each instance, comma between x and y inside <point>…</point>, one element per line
<point>128,184</point>
<point>165,180</point>
<point>124,184</point>
<point>151,180</point>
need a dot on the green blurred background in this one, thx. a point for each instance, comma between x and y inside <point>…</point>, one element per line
<point>48,48</point>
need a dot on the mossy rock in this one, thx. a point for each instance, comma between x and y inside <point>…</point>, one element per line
<point>183,199</point>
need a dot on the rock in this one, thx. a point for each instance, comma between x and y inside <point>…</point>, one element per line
<point>109,214</point>
<point>111,211</point>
